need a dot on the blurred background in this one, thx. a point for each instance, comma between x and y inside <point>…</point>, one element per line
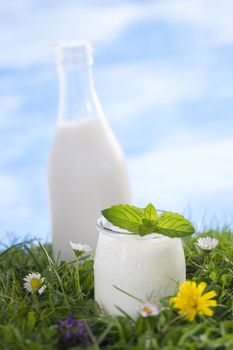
<point>163,71</point>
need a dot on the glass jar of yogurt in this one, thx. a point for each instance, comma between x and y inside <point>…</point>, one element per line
<point>129,268</point>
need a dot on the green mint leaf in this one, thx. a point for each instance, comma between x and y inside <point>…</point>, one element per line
<point>143,230</point>
<point>174,225</point>
<point>148,226</point>
<point>127,217</point>
<point>151,213</point>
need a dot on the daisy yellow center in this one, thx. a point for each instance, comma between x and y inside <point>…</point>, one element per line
<point>35,283</point>
<point>147,309</point>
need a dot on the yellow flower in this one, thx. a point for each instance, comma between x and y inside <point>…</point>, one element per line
<point>190,300</point>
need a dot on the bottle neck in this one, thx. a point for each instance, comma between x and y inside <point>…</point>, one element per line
<point>78,98</point>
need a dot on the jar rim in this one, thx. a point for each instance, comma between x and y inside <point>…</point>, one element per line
<point>128,235</point>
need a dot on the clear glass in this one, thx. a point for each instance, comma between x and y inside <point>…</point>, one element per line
<point>145,267</point>
<point>78,97</point>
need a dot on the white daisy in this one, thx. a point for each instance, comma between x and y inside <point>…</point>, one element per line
<point>34,283</point>
<point>42,289</point>
<point>207,243</point>
<point>80,248</point>
<point>149,308</point>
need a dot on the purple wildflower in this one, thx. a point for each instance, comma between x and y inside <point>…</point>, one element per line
<point>73,332</point>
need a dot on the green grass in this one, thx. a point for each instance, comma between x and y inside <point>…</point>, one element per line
<point>28,321</point>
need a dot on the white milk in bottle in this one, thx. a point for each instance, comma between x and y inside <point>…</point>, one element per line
<point>87,169</point>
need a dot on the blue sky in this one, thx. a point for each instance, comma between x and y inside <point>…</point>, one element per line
<point>163,71</point>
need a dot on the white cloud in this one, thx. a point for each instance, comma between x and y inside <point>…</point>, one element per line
<point>187,11</point>
<point>32,36</point>
<point>212,18</point>
<point>178,173</point>
<point>131,88</point>
<point>29,32</point>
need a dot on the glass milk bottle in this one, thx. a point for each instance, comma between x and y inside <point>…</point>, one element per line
<point>87,169</point>
<point>129,268</point>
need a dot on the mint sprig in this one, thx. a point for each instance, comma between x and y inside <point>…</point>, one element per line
<point>143,221</point>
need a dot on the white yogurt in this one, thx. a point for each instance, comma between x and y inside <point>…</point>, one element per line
<point>145,267</point>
